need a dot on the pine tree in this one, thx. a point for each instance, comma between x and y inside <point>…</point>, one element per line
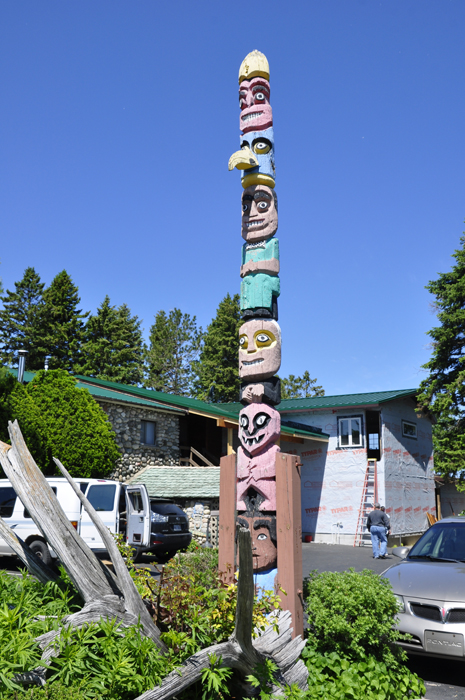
<point>218,367</point>
<point>300,387</point>
<point>112,348</point>
<point>175,342</point>
<point>443,392</point>
<point>21,322</point>
<point>63,323</point>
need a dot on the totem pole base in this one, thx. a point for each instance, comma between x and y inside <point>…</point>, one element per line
<point>227,523</point>
<point>289,537</point>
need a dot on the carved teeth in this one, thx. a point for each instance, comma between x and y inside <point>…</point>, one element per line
<point>255,223</point>
<point>253,115</point>
<point>252,362</point>
<point>252,440</point>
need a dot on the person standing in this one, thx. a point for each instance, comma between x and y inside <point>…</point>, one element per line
<point>388,529</point>
<point>377,523</point>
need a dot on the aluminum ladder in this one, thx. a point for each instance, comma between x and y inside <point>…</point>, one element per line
<point>369,498</point>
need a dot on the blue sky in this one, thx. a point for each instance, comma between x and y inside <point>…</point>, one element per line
<point>118,119</point>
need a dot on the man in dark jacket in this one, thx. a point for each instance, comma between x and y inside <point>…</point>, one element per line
<point>377,522</point>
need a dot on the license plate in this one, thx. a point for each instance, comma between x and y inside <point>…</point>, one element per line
<point>444,643</point>
<point>177,528</point>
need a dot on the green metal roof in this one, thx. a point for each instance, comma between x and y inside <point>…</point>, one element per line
<point>99,392</point>
<point>372,398</point>
<point>180,482</point>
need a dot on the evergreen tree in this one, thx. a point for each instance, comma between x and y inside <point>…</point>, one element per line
<point>175,342</point>
<point>21,322</point>
<point>78,431</point>
<point>16,404</point>
<point>443,392</point>
<point>112,346</point>
<point>300,387</point>
<point>218,367</point>
<point>63,323</point>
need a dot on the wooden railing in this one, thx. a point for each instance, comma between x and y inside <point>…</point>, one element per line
<point>189,460</point>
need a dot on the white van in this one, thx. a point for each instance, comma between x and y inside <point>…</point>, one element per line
<point>123,509</point>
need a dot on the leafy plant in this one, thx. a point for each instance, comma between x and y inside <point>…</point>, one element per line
<point>334,676</point>
<point>351,650</point>
<point>214,680</point>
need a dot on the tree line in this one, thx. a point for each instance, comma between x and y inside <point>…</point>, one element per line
<point>180,358</point>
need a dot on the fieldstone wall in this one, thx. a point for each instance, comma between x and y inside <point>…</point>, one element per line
<point>199,512</point>
<point>134,455</point>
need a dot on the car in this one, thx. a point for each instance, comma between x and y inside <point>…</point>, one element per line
<point>429,584</point>
<point>169,530</point>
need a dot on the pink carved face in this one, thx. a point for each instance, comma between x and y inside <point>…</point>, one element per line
<point>259,425</point>
<point>259,213</point>
<point>254,101</point>
<point>259,349</point>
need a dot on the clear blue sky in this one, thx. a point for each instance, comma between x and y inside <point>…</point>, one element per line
<point>117,122</point>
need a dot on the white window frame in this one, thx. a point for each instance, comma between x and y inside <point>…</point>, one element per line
<point>410,425</point>
<point>148,444</point>
<point>350,446</point>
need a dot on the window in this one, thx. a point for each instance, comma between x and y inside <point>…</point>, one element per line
<point>102,497</point>
<point>147,432</point>
<point>350,431</point>
<point>409,429</point>
<point>7,501</point>
<point>135,498</point>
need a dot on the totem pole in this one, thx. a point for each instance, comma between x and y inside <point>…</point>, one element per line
<point>259,469</point>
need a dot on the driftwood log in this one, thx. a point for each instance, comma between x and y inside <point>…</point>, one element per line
<point>107,596</point>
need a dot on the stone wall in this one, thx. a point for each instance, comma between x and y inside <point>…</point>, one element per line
<point>134,455</point>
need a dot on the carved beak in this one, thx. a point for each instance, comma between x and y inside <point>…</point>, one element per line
<point>243,159</point>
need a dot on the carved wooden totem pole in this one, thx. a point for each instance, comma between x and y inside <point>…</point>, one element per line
<point>260,487</point>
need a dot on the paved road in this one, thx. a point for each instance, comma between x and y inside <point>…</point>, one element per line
<point>444,679</point>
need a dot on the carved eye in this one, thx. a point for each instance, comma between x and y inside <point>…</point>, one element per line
<point>262,146</point>
<point>259,96</point>
<point>243,342</point>
<point>244,422</point>
<point>261,419</point>
<point>263,205</point>
<point>262,536</point>
<point>245,207</point>
<point>263,340</point>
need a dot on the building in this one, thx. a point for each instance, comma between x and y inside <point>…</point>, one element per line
<point>174,444</point>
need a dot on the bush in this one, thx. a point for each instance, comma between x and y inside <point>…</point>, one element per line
<point>351,650</point>
<point>79,433</point>
<point>56,691</point>
<point>16,404</point>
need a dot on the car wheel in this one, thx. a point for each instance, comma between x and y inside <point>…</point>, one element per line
<point>41,550</point>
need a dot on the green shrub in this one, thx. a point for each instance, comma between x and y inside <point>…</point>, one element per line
<point>351,649</point>
<point>352,614</point>
<point>16,404</point>
<point>334,676</point>
<point>79,433</point>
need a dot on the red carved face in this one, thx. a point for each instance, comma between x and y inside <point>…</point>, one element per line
<point>254,101</point>
<point>259,425</point>
<point>263,548</point>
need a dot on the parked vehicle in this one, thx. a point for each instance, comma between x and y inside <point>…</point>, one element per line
<point>169,528</point>
<point>123,508</point>
<point>429,586</point>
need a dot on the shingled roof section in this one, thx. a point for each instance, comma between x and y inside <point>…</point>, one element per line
<point>180,482</point>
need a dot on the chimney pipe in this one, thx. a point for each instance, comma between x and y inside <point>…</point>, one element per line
<point>21,364</point>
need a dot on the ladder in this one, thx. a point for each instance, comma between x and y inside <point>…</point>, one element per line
<point>369,498</point>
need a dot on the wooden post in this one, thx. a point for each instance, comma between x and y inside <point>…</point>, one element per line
<point>227,520</point>
<point>289,536</point>
<point>230,441</point>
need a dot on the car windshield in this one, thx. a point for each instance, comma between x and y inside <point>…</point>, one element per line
<point>443,541</point>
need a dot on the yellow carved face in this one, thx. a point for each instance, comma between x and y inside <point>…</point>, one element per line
<point>259,349</point>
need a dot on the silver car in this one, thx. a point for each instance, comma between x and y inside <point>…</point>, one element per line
<point>429,584</point>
